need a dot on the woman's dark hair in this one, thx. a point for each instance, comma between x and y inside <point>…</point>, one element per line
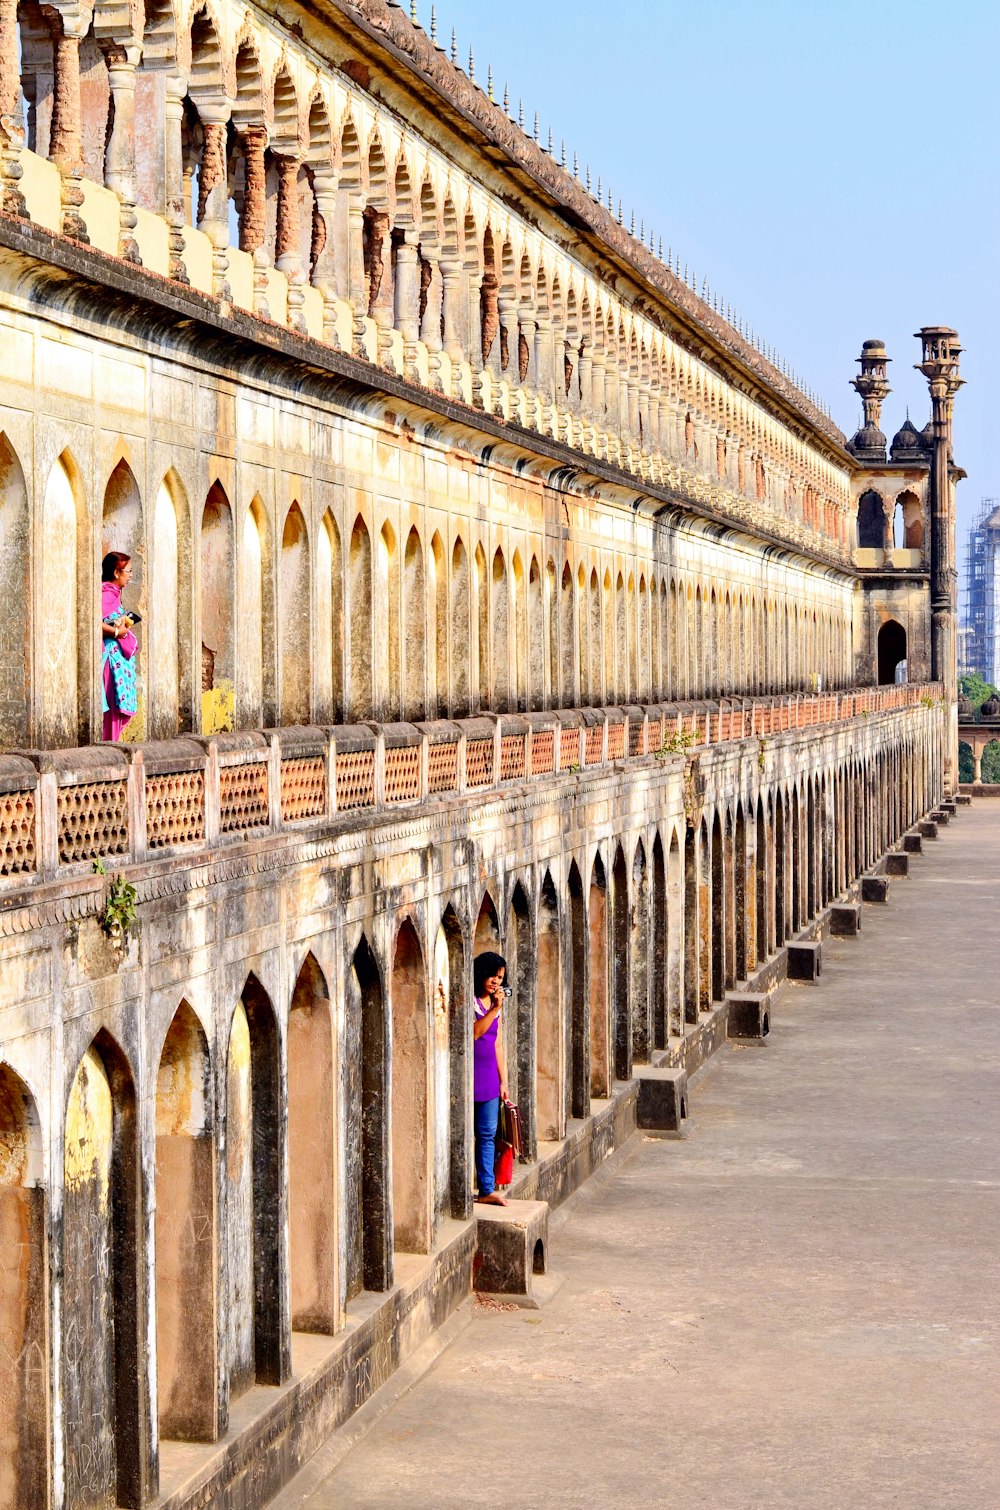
<point>113,561</point>
<point>485,965</point>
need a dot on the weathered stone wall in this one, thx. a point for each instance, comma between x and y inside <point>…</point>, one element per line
<point>246,1119</point>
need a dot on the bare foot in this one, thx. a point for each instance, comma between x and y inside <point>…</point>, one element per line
<point>496,1199</point>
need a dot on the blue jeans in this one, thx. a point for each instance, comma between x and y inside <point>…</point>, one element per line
<point>485,1115</point>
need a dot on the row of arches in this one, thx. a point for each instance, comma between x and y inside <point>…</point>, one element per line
<point>374,622</point>
<point>298,1148</point>
<point>284,165</point>
<point>890,524</point>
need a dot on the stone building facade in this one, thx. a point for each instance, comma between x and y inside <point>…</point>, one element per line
<point>494,589</point>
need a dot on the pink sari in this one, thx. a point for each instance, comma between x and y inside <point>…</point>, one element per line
<point>114,719</point>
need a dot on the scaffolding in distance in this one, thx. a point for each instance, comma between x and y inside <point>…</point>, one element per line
<point>979,641</point>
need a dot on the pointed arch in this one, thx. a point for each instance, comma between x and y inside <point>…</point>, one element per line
<point>452,1053</point>
<point>24,1432</point>
<point>296,617</point>
<point>312,1155</point>
<point>597,916</point>
<point>216,612</point>
<point>368,1238</point>
<point>460,699</point>
<point>437,695</point>
<point>66,639</point>
<point>329,632</point>
<point>412,663</point>
<point>16,640</point>
<point>171,693</point>
<point>500,699</point>
<point>186,1236</point>
<point>359,623</point>
<point>412,1174</point>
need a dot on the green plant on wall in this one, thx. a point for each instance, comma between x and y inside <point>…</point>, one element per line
<point>119,914</point>
<point>676,744</point>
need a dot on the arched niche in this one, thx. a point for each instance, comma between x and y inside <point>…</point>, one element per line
<point>107,1437</point>
<point>15,591</point>
<point>368,1242</point>
<point>579,961</point>
<point>217,608</point>
<point>411,1165</point>
<point>413,660</point>
<point>551,1045</point>
<point>329,627</point>
<point>186,1236</point>
<point>461,632</point>
<point>170,665</point>
<point>871,521</point>
<point>638,966</point>
<point>312,1155</point>
<point>257,1343</point>
<point>24,1299</point>
<point>359,621</point>
<point>65,632</point>
<point>296,620</point>
<point>452,1053</point>
<point>597,943</point>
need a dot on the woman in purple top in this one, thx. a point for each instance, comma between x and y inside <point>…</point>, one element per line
<point>489,1068</point>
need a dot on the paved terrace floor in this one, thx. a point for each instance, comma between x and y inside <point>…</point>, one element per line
<point>796,1306</point>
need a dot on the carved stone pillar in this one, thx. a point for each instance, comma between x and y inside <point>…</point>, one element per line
<point>213,193</point>
<point>358,292</point>
<point>119,163</point>
<point>11,125</point>
<point>507,344</point>
<point>526,352</point>
<point>598,381</point>
<point>288,231</point>
<point>407,299</point>
<point>64,136</point>
<point>253,216</point>
<point>585,400</point>
<point>324,259</point>
<point>380,271</point>
<point>430,293</point>
<point>489,316</point>
<point>451,277</point>
<point>173,188</point>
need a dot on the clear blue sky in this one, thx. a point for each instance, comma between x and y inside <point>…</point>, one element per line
<point>829,165</point>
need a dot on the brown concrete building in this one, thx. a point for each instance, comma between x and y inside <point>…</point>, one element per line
<point>493,588</point>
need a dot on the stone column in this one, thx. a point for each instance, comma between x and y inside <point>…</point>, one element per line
<point>173,189</point>
<point>430,280</point>
<point>358,292</point>
<point>119,163</point>
<point>324,261</point>
<point>507,344</point>
<point>489,316</point>
<point>287,236</point>
<point>64,137</point>
<point>407,299</point>
<point>12,127</point>
<point>977,761</point>
<point>253,218</point>
<point>213,193</point>
<point>598,381</point>
<point>451,292</point>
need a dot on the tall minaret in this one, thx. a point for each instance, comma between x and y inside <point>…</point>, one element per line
<point>873,387</point>
<point>941,351</point>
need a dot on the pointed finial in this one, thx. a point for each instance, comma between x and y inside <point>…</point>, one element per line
<point>642,231</point>
<point>552,146</point>
<point>620,213</point>
<point>632,226</point>
<point>536,126</point>
<point>576,167</point>
<point>704,289</point>
<point>600,191</point>
<point>489,82</point>
<point>472,65</point>
<point>661,248</point>
<point>611,203</point>
<point>588,178</point>
<point>434,24</point>
<point>562,155</point>
<point>520,114</point>
<point>454,47</point>
<point>413,12</point>
<point>506,100</point>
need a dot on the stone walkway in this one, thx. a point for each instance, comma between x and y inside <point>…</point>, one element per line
<point>796,1306</point>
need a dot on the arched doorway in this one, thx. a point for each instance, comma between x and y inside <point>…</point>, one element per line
<point>24,1454</point>
<point>411,1169</point>
<point>891,651</point>
<point>312,1179</point>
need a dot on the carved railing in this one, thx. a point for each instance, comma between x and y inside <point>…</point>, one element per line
<point>61,810</point>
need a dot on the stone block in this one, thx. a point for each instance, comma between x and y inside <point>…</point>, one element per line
<point>913,844</point>
<point>845,920</point>
<point>940,816</point>
<point>897,863</point>
<point>662,1098</point>
<point>963,799</point>
<point>805,960</point>
<point>512,1245</point>
<point>928,829</point>
<point>949,806</point>
<point>750,1015</point>
<point>875,889</point>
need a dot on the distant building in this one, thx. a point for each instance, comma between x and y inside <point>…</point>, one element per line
<point>979,642</point>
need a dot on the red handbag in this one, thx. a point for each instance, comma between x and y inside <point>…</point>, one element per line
<point>503,1168</point>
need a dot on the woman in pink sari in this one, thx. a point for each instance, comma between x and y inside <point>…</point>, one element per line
<point>118,686</point>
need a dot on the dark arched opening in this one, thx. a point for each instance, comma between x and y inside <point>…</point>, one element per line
<point>891,651</point>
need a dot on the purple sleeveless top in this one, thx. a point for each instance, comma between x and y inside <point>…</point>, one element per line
<point>485,1070</point>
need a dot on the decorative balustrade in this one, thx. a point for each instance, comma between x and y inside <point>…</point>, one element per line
<point>64,809</point>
